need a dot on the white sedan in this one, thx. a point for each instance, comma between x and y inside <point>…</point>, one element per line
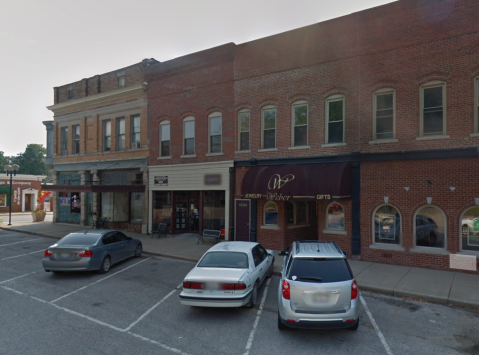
<point>228,275</point>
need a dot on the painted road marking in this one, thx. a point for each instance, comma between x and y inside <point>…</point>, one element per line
<point>103,279</point>
<point>378,331</point>
<point>17,256</point>
<point>18,277</point>
<point>256,322</point>
<point>23,241</point>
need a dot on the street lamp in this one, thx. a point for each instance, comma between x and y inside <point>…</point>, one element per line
<point>12,171</point>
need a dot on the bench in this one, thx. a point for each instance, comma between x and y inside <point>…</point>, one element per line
<point>160,229</point>
<point>209,233</point>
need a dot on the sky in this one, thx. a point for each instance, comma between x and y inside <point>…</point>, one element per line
<point>48,43</point>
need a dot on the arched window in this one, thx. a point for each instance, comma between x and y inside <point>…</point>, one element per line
<point>387,225</point>
<point>268,127</point>
<point>433,109</point>
<point>430,227</point>
<point>215,132</point>
<point>335,217</point>
<point>270,214</point>
<point>384,107</point>
<point>297,213</point>
<point>470,229</point>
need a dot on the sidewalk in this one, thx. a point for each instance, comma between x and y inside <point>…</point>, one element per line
<point>444,287</point>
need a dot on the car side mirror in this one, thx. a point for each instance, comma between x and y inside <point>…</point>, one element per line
<point>283,252</point>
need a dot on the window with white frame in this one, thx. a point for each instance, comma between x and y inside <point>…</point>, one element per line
<point>243,129</point>
<point>430,227</point>
<point>3,200</point>
<point>189,136</point>
<point>384,114</point>
<point>76,139</point>
<point>165,139</point>
<point>387,225</point>
<point>120,133</point>
<point>335,217</point>
<point>270,213</point>
<point>106,135</point>
<point>335,111</point>
<point>476,105</point>
<point>70,92</point>
<point>268,139</point>
<point>470,229</point>
<point>297,212</point>
<point>64,141</point>
<point>433,109</point>
<point>121,81</point>
<point>300,124</point>
<point>215,130</point>
<point>135,131</point>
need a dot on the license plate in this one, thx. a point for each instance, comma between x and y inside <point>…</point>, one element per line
<point>321,297</point>
<point>65,255</point>
<point>212,286</point>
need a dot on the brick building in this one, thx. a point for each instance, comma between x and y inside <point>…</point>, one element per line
<point>362,130</point>
<point>97,145</point>
<point>25,189</point>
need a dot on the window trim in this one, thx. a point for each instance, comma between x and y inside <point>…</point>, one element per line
<point>189,119</point>
<point>211,116</point>
<point>430,85</point>
<point>74,151</point>
<point>293,105</point>
<point>6,202</point>
<point>334,231</point>
<point>337,97</point>
<point>163,123</point>
<point>476,106</point>
<point>240,112</point>
<point>118,120</point>
<point>132,130</point>
<point>430,250</point>
<point>377,93</point>
<point>104,123</point>
<point>64,140</point>
<point>268,108</point>
<point>387,245</point>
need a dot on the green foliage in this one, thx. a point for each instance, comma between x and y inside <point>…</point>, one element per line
<point>32,161</point>
<point>3,161</point>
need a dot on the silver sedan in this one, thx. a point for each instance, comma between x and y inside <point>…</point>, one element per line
<point>228,275</point>
<point>90,250</point>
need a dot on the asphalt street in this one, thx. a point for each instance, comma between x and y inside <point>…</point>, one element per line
<point>135,309</point>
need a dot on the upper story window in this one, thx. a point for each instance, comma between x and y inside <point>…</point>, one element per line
<point>268,138</point>
<point>215,130</point>
<point>189,135</point>
<point>430,227</point>
<point>165,139</point>
<point>243,129</point>
<point>335,217</point>
<point>135,131</point>
<point>70,92</point>
<point>270,213</point>
<point>300,124</point>
<point>120,133</point>
<point>335,111</point>
<point>106,135</point>
<point>476,105</point>
<point>432,105</point>
<point>384,126</point>
<point>470,230</point>
<point>76,139</point>
<point>121,78</point>
<point>387,225</point>
<point>64,142</point>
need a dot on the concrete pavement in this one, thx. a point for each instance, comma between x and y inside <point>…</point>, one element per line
<point>446,287</point>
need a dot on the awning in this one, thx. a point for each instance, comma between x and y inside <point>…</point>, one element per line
<point>5,190</point>
<point>298,182</point>
<point>95,188</point>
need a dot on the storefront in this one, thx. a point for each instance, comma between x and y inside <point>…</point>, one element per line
<point>191,197</point>
<point>24,193</point>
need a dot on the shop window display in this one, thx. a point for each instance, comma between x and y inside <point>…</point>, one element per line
<point>430,227</point>
<point>270,213</point>
<point>214,210</point>
<point>335,217</point>
<point>470,229</point>
<point>162,208</point>
<point>387,225</point>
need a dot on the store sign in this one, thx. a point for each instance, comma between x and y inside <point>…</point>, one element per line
<point>213,179</point>
<point>161,180</point>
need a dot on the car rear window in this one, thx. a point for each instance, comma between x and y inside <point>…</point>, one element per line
<point>319,270</point>
<point>79,239</point>
<point>225,260</point>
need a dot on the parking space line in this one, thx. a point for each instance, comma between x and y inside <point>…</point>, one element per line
<point>18,277</point>
<point>179,286</point>
<point>17,256</point>
<point>148,311</point>
<point>23,241</point>
<point>103,279</point>
<point>378,331</point>
<point>256,322</point>
<point>157,343</point>
<point>12,290</point>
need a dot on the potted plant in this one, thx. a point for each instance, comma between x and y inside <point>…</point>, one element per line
<point>39,214</point>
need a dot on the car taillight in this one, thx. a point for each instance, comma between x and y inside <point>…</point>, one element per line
<point>239,286</point>
<point>286,290</point>
<point>86,254</point>
<point>195,285</point>
<point>354,290</point>
<point>47,253</point>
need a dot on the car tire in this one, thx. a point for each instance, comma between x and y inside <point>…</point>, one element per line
<point>138,250</point>
<point>355,326</point>
<point>254,296</point>
<point>270,272</point>
<point>105,265</point>
<point>281,326</point>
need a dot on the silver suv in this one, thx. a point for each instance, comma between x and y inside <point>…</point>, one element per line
<point>317,288</point>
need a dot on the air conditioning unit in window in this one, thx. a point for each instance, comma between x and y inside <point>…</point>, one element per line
<point>135,145</point>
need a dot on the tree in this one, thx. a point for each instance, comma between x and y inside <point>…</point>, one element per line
<point>32,161</point>
<point>3,161</point>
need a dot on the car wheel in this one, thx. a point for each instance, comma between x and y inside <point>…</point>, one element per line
<point>281,326</point>
<point>355,326</point>
<point>138,250</point>
<point>270,272</point>
<point>105,265</point>
<point>254,296</point>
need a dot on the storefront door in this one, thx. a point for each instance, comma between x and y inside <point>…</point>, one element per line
<point>242,208</point>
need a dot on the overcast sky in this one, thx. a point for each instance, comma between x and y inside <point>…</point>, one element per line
<point>48,43</point>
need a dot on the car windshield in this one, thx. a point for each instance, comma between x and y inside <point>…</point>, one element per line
<point>319,270</point>
<point>79,239</point>
<point>225,260</point>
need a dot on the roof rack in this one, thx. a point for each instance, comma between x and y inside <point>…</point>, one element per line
<point>319,241</point>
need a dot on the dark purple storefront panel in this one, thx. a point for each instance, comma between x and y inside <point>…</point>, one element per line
<point>242,208</point>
